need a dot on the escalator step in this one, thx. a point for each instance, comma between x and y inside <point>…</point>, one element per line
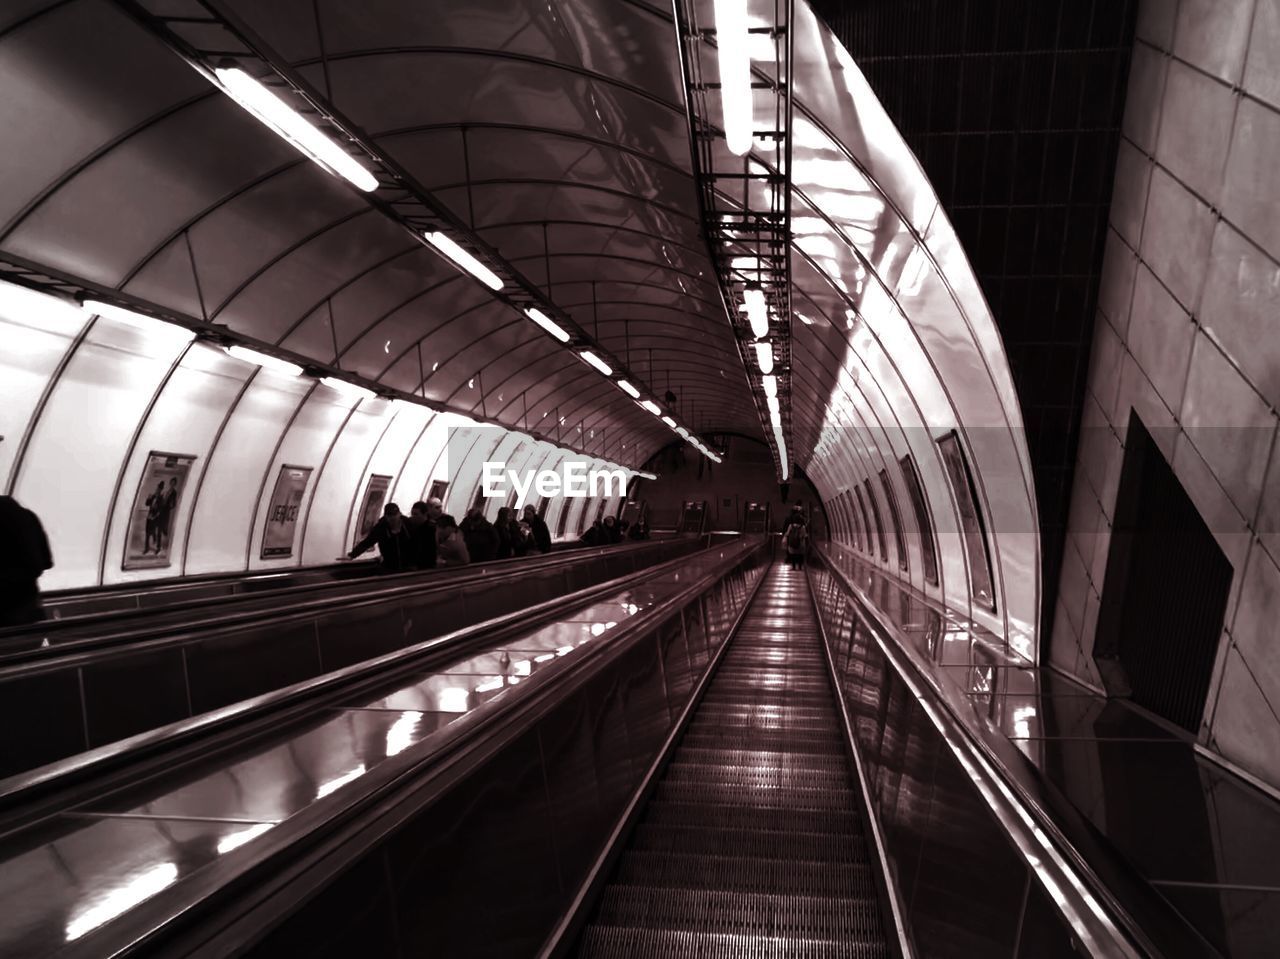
<point>788,875</point>
<point>768,914</point>
<point>623,942</point>
<point>754,842</point>
<point>707,815</point>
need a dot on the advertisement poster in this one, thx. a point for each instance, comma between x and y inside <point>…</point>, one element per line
<point>155,508</point>
<point>282,512</point>
<point>371,508</point>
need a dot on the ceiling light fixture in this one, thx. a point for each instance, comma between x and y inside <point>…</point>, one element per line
<point>764,357</point>
<point>775,406</point>
<point>630,390</point>
<point>652,407</point>
<point>753,297</point>
<point>736,98</point>
<point>592,360</point>
<point>347,388</point>
<point>548,324</point>
<point>669,421</point>
<point>141,321</point>
<point>465,260</point>
<point>266,361</point>
<point>770,384</point>
<point>291,125</point>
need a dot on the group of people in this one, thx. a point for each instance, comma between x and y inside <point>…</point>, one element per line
<point>429,537</point>
<point>610,530</point>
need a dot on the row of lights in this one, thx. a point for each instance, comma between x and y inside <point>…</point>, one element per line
<point>314,143</point>
<point>173,332</point>
<point>737,103</point>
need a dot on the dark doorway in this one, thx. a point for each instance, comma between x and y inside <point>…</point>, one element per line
<point>1165,592</point>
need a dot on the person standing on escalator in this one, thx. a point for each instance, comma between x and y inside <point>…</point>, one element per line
<point>24,556</point>
<point>422,532</point>
<point>391,535</point>
<point>538,528</point>
<point>480,536</point>
<point>795,538</point>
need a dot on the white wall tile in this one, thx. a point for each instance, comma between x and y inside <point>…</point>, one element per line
<point>1115,290</point>
<point>1245,729</point>
<point>1129,193</point>
<point>1254,625</point>
<point>1228,423</point>
<point>1155,22</point>
<point>1177,237</point>
<point>1195,129</point>
<point>1262,66</point>
<point>1251,197</point>
<point>1213,34</point>
<point>1142,103</point>
<point>1105,356</point>
<point>1160,337</point>
<point>1241,309</point>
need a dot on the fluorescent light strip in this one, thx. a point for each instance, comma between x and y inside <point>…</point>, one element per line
<point>736,98</point>
<point>267,362</point>
<point>628,389</point>
<point>753,298</point>
<point>649,476</point>
<point>775,418</point>
<point>592,360</point>
<point>548,324</point>
<point>347,388</point>
<point>764,357</point>
<point>770,384</point>
<point>652,407</point>
<point>288,123</point>
<point>669,421</point>
<point>466,261</point>
<point>775,406</point>
<point>141,321</point>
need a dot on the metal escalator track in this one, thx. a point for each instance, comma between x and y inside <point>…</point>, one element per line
<point>752,844</point>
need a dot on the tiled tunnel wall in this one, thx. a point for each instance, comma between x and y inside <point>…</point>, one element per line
<point>1188,336</point>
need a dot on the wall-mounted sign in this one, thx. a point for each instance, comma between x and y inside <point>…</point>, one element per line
<point>155,508</point>
<point>282,512</point>
<point>375,495</point>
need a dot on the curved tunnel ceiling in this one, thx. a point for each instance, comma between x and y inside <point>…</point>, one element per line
<point>557,131</point>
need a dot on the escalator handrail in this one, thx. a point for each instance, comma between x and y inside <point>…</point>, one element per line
<point>1094,915</point>
<point>138,625</point>
<point>301,853</point>
<point>376,669</point>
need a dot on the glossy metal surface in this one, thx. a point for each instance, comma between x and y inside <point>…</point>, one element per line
<point>1187,848</point>
<point>100,693</point>
<point>84,867</point>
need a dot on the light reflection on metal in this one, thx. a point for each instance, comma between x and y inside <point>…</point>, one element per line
<point>333,785</point>
<point>241,836</point>
<point>101,907</point>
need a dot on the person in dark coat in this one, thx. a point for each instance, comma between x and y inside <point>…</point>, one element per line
<point>24,557</point>
<point>452,547</point>
<point>595,535</point>
<point>391,534</point>
<point>480,536</point>
<point>422,532</point>
<point>502,529</point>
<point>541,534</point>
<point>612,532</point>
<point>638,530</point>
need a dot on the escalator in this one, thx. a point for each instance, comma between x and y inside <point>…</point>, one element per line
<point>752,843</point>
